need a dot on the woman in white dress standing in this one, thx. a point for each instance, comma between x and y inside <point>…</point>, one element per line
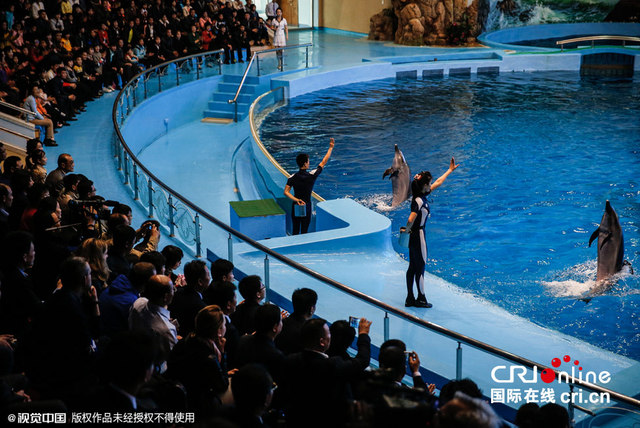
<point>281,34</point>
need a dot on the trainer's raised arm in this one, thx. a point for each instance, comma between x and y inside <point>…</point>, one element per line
<point>440,180</point>
<point>324,161</point>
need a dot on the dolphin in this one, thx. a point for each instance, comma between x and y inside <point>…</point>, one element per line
<point>610,249</point>
<point>400,178</point>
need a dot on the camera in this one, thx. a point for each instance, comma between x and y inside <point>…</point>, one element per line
<point>354,322</point>
<point>84,207</point>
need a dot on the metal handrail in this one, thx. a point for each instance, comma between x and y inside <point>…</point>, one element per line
<point>15,107</point>
<point>592,39</point>
<point>255,56</point>
<point>244,77</point>
<point>460,338</point>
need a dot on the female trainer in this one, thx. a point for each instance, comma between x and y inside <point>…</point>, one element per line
<point>420,187</point>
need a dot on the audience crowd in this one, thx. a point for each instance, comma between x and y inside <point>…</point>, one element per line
<point>57,55</point>
<point>94,317</point>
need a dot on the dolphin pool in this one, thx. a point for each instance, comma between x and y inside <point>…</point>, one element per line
<point>540,154</point>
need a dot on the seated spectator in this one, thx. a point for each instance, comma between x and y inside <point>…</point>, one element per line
<point>52,243</point>
<point>252,291</point>
<point>465,411</point>
<point>393,366</point>
<point>69,193</point>
<point>37,118</point>
<point>259,347</point>
<point>221,271</point>
<point>118,257</point>
<point>552,415</point>
<point>9,167</point>
<point>21,182</point>
<point>304,306</point>
<point>324,380</point>
<point>252,390</point>
<point>35,195</point>
<point>18,301</point>
<point>65,166</point>
<point>526,415</point>
<point>126,365</point>
<point>157,260</point>
<point>223,294</point>
<point>124,210</point>
<point>149,232</point>
<point>95,252</point>
<point>466,385</point>
<point>36,163</point>
<point>385,400</point>
<point>198,362</point>
<point>150,313</point>
<point>6,199</point>
<point>173,256</point>
<point>64,333</point>
<point>117,299</point>
<point>188,299</point>
<point>342,336</point>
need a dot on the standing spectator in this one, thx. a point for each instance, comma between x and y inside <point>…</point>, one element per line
<point>281,35</point>
<point>324,380</point>
<point>271,9</point>
<point>259,347</point>
<point>304,306</point>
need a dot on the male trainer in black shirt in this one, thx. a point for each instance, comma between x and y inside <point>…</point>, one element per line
<point>302,183</point>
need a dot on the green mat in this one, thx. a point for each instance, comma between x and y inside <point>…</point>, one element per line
<point>257,208</point>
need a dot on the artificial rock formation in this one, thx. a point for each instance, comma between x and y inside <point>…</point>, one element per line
<point>432,22</point>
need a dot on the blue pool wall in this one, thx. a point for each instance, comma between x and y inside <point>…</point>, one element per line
<point>177,106</point>
<point>496,61</point>
<point>505,39</point>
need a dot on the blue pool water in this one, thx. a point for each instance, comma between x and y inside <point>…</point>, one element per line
<point>540,154</point>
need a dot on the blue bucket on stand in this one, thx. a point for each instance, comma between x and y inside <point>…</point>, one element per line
<point>299,210</point>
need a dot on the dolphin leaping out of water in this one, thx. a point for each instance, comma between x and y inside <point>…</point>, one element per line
<point>400,178</point>
<point>610,249</point>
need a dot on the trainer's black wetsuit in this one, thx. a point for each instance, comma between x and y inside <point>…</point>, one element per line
<point>417,246</point>
<point>302,183</point>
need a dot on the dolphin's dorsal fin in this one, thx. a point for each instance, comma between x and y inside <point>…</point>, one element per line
<point>594,235</point>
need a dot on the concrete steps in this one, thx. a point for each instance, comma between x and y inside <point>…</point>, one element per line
<point>219,106</point>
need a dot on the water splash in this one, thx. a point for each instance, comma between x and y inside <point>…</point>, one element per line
<point>535,12</point>
<point>578,281</point>
<point>380,202</point>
